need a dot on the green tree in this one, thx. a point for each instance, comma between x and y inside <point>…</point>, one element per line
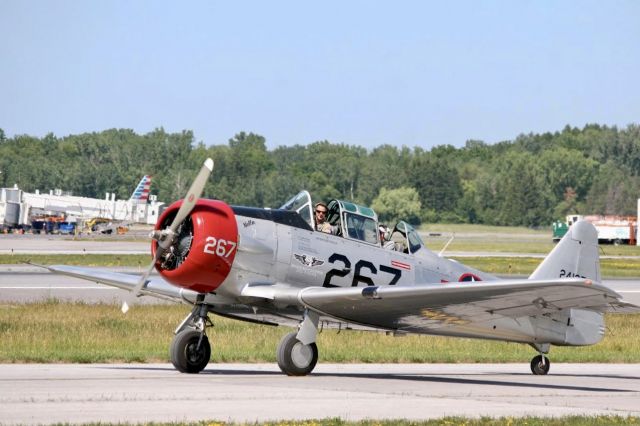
<point>437,182</point>
<point>248,165</point>
<point>613,191</point>
<point>385,166</point>
<point>522,194</point>
<point>393,205</point>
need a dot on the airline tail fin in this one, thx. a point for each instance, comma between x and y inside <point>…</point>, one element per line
<point>576,255</point>
<point>141,193</point>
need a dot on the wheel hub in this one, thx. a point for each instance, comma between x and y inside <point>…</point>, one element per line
<point>301,355</point>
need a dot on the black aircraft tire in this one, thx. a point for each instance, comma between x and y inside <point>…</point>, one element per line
<point>538,368</point>
<point>184,356</point>
<point>295,358</point>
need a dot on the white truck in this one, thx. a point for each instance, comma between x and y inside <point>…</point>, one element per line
<point>611,229</point>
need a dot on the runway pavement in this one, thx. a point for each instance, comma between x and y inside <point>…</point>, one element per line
<point>27,284</point>
<point>61,393</point>
<point>61,244</point>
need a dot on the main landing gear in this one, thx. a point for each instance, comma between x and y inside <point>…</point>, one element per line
<point>190,350</point>
<point>297,352</point>
<point>540,364</point>
<point>294,357</point>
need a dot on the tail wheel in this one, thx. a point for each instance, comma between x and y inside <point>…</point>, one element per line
<point>190,351</point>
<point>294,357</point>
<point>540,365</point>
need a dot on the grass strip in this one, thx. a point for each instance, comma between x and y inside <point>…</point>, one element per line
<point>609,268</point>
<point>468,228</point>
<point>487,244</point>
<point>81,333</point>
<point>109,260</point>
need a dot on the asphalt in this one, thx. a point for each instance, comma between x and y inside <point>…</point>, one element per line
<point>61,244</point>
<point>80,393</point>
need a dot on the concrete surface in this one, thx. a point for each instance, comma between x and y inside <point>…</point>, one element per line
<point>61,244</point>
<point>74,393</point>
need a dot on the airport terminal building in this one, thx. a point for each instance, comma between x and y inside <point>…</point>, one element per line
<point>20,209</point>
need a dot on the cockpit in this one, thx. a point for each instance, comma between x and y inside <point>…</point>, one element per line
<point>358,223</point>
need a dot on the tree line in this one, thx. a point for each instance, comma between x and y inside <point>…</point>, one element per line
<point>531,180</point>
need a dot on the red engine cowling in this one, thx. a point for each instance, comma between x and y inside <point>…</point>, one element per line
<point>202,253</point>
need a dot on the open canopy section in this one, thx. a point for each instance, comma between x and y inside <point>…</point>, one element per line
<point>357,222</point>
<point>301,203</point>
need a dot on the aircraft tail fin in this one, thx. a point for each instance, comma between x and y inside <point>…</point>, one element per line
<point>141,193</point>
<point>576,255</point>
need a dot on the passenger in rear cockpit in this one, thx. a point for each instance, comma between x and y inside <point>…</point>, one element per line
<point>399,241</point>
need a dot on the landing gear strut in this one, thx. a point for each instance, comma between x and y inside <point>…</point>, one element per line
<point>190,350</point>
<point>297,352</point>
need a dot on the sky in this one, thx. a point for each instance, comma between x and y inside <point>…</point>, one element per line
<point>413,73</point>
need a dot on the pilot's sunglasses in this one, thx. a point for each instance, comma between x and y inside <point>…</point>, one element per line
<point>321,211</point>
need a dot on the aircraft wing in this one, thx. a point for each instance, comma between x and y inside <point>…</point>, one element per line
<point>154,287</point>
<point>439,305</point>
<point>159,288</point>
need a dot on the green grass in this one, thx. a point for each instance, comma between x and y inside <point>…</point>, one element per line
<point>524,245</point>
<point>80,333</point>
<point>489,245</point>
<point>465,228</point>
<point>609,268</point>
<point>78,259</point>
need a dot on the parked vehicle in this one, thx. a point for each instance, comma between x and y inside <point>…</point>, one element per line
<point>46,224</point>
<point>67,228</point>
<point>611,229</point>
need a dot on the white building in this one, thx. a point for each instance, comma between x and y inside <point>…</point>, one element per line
<point>18,207</point>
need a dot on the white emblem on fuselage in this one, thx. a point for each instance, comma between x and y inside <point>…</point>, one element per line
<point>308,260</point>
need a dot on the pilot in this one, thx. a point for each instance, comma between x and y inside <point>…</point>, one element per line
<point>321,219</point>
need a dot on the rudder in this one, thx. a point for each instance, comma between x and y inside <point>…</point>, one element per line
<point>576,255</point>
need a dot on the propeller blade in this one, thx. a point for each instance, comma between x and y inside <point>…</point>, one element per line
<point>135,292</point>
<point>193,194</point>
<point>165,238</point>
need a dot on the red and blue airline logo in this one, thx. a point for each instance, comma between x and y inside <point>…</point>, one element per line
<point>141,192</point>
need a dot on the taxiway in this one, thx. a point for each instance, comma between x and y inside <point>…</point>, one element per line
<point>74,393</point>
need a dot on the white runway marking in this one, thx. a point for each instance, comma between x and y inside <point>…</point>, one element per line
<point>28,287</point>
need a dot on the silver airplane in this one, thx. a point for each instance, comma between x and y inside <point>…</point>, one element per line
<point>270,266</point>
